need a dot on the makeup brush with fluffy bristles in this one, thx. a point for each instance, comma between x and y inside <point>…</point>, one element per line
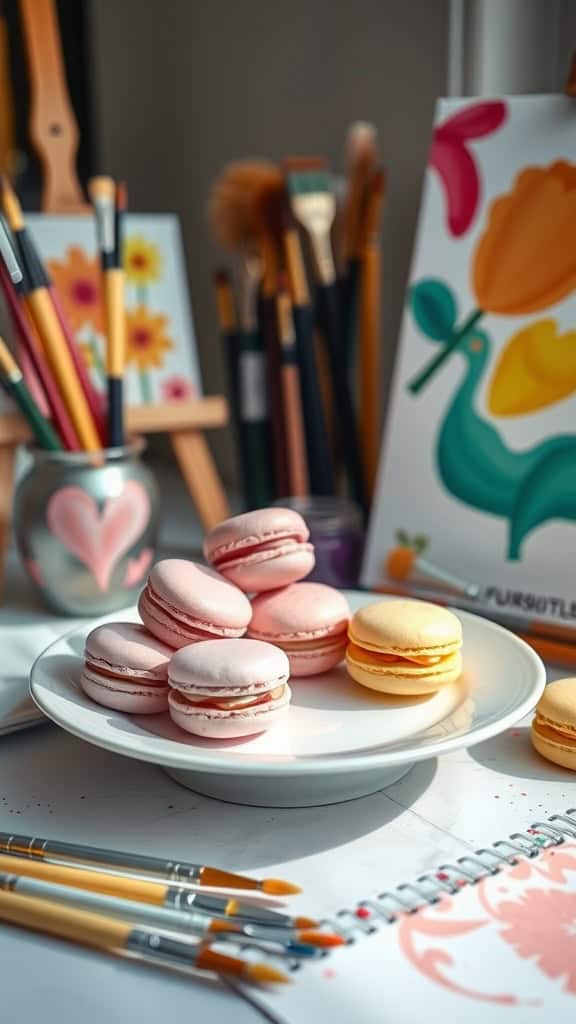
<point>236,224</point>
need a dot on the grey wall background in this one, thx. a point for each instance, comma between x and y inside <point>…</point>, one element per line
<point>183,86</point>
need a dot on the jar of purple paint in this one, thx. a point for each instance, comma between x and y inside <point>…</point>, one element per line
<point>335,526</point>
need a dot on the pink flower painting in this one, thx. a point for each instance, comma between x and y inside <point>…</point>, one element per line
<point>541,925</point>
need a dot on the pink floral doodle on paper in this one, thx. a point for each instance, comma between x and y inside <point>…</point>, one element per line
<point>99,538</point>
<point>455,164</point>
<point>539,924</point>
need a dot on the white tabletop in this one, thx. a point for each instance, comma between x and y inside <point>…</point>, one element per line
<point>54,785</point>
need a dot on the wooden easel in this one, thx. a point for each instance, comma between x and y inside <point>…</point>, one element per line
<point>54,132</point>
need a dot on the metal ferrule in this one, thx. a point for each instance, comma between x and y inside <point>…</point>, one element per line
<point>323,256</point>
<point>8,882</point>
<point>150,945</point>
<point>21,846</point>
<point>216,906</point>
<point>104,211</point>
<point>8,255</point>
<point>456,583</point>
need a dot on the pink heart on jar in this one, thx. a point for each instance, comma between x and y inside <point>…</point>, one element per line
<point>99,538</point>
<point>137,568</point>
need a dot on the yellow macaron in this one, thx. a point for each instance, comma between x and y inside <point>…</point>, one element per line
<point>404,647</point>
<point>554,726</point>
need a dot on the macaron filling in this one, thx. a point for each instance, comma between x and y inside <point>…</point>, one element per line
<point>147,678</point>
<point>232,703</point>
<point>206,630</point>
<point>423,660</point>
<point>251,550</point>
<point>552,731</point>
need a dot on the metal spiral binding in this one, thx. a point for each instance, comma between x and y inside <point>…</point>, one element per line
<point>370,915</point>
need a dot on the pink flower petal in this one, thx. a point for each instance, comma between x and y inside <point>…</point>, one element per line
<point>474,122</point>
<point>459,177</point>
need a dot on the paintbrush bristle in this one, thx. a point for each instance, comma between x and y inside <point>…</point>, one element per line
<point>323,940</point>
<point>361,142</point>
<point>11,206</point>
<point>264,974</point>
<point>307,175</point>
<point>101,189</point>
<point>277,887</point>
<point>305,922</point>
<point>233,203</point>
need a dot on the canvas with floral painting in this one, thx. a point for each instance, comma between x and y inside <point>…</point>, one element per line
<point>480,442</point>
<point>162,363</point>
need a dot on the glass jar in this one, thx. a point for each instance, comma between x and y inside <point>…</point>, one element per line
<point>86,527</point>
<point>336,532</point>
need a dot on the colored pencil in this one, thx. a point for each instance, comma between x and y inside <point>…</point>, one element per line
<point>120,938</point>
<point>109,209</point>
<point>41,307</point>
<point>12,285</point>
<point>13,381</point>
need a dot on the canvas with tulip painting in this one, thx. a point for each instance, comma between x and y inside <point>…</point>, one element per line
<point>162,364</point>
<point>478,466</point>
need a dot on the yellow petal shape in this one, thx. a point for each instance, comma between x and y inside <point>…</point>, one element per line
<point>536,368</point>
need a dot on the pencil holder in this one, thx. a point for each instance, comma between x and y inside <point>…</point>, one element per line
<point>335,526</point>
<point>86,527</point>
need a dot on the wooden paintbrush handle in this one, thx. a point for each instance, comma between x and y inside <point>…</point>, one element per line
<point>65,922</point>
<point>370,363</point>
<point>53,127</point>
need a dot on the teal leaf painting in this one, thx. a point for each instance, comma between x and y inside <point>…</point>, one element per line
<point>434,309</point>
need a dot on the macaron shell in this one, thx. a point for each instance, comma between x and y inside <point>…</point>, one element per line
<point>229,668</point>
<point>558,749</point>
<point>176,632</point>
<point>128,649</point>
<point>406,627</point>
<point>364,668</point>
<point>271,569</point>
<point>262,526</point>
<point>557,704</point>
<point>314,660</point>
<point>301,611</point>
<point>216,724</point>
<point>198,594</point>
<point>131,698</point>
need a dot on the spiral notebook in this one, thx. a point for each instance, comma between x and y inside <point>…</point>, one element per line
<point>489,938</point>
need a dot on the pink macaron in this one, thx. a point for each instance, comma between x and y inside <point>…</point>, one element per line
<point>228,688</point>
<point>126,669</point>
<point>309,621</point>
<point>261,550</point>
<point>184,603</point>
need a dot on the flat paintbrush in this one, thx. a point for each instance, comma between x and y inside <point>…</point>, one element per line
<point>314,207</point>
<point>371,329</point>
<point>319,455</point>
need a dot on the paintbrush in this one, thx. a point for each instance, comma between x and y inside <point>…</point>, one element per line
<point>313,205</point>
<point>39,303</point>
<point>370,329</point>
<point>13,289</point>
<point>319,455</point>
<point>52,851</point>
<point>231,210</point>
<point>228,324</point>
<point>144,890</point>
<point>297,943</point>
<point>291,396</point>
<point>108,213</point>
<point>361,154</point>
<point>120,938</point>
<point>13,381</point>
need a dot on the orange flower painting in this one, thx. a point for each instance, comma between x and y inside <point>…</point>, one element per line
<point>526,259</point>
<point>147,342</point>
<point>77,280</point>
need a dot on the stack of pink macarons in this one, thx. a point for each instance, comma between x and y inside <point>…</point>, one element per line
<point>218,661</point>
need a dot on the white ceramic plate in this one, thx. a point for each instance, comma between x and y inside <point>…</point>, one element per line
<point>339,740</point>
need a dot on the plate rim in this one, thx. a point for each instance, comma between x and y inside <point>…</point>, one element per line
<point>335,763</point>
